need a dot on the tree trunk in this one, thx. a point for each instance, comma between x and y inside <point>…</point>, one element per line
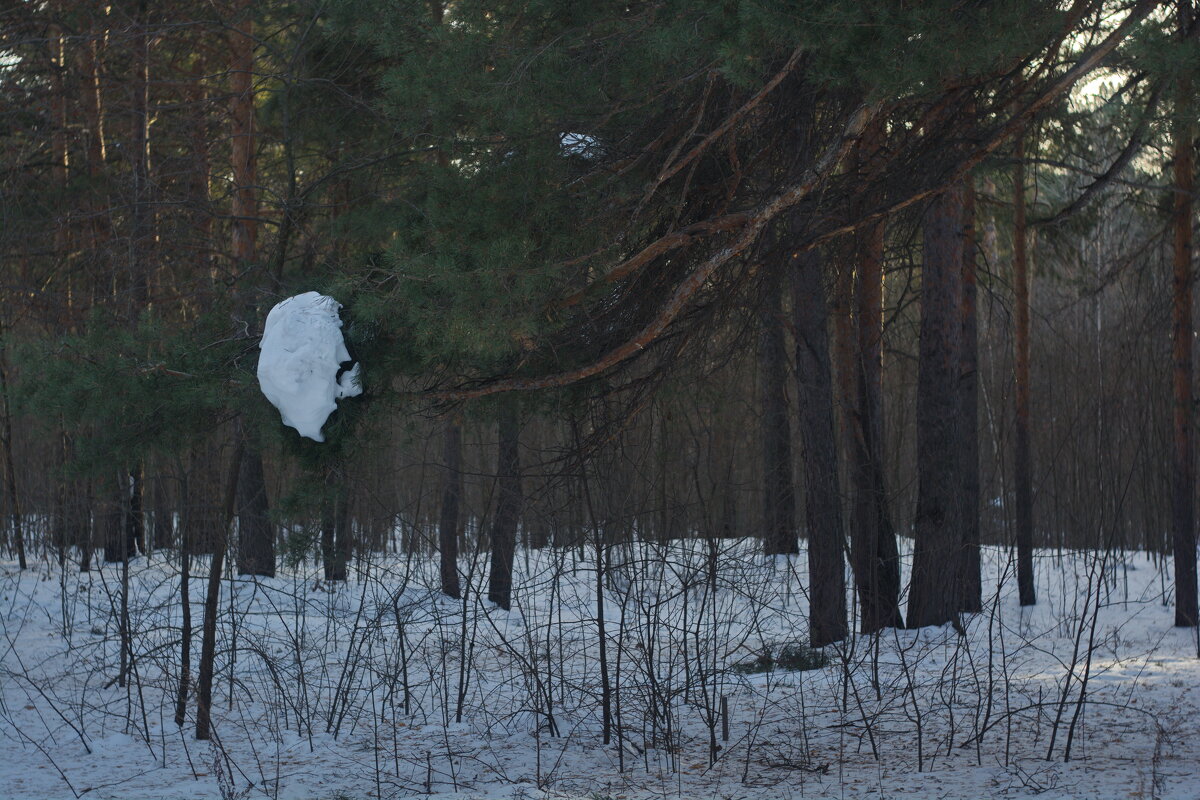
<point>93,109</point>
<point>185,602</point>
<point>823,509</point>
<point>164,520</point>
<point>779,505</point>
<point>112,520</point>
<point>508,509</point>
<point>845,365</point>
<point>874,556</point>
<point>245,198</point>
<point>452,488</point>
<point>972,586</point>
<point>1023,454</point>
<point>333,528</point>
<point>87,526</point>
<point>140,233</point>
<point>208,640</point>
<point>936,591</point>
<point>345,533</point>
<point>1184,501</point>
<point>256,538</point>
<point>10,471</point>
<point>256,534</point>
<point>135,518</point>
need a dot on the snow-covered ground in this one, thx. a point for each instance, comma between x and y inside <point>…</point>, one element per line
<point>383,688</point>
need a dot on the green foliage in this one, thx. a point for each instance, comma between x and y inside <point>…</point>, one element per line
<point>490,221</point>
<point>787,656</point>
<point>128,392</point>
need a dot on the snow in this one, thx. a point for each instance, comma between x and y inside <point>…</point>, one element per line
<point>302,354</point>
<point>581,144</point>
<point>315,697</point>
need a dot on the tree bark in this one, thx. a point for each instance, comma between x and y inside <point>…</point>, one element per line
<point>245,197</point>
<point>334,532</point>
<point>86,528</point>
<point>164,522</point>
<point>185,602</point>
<point>936,591</point>
<point>508,509</point>
<point>1023,451</point>
<point>93,109</point>
<point>1184,499</point>
<point>779,504</point>
<point>874,556</point>
<point>256,534</point>
<point>345,533</point>
<point>208,640</point>
<point>10,470</point>
<point>823,507</point>
<point>845,365</point>
<point>972,586</point>
<point>116,542</point>
<point>140,233</point>
<point>135,517</point>
<point>448,523</point>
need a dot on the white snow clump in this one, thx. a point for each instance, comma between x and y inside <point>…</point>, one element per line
<point>581,144</point>
<point>302,351</point>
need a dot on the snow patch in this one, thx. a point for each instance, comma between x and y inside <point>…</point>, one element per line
<point>302,353</point>
<point>581,144</point>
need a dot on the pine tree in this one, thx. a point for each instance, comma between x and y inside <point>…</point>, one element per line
<point>1183,336</point>
<point>779,505</point>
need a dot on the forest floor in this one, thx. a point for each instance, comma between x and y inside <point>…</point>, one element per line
<point>380,687</point>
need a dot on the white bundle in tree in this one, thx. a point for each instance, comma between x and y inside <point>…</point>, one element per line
<point>302,353</point>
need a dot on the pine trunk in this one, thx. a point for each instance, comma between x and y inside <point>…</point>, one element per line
<point>141,234</point>
<point>11,499</point>
<point>112,520</point>
<point>1184,499</point>
<point>936,591</point>
<point>779,505</point>
<point>334,532</point>
<point>256,538</point>
<point>208,635</point>
<point>823,510</point>
<point>508,510</point>
<point>874,556</point>
<point>1023,452</point>
<point>448,523</point>
<point>256,535</point>
<point>135,517</point>
<point>164,523</point>
<point>972,586</point>
<point>185,602</point>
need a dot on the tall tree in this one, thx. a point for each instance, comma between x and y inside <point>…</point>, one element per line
<point>1183,335</point>
<point>11,499</point>
<point>243,232</point>
<point>971,599</point>
<point>935,592</point>
<point>256,542</point>
<point>1022,451</point>
<point>212,597</point>
<point>111,518</point>
<point>823,502</point>
<point>336,543</point>
<point>448,522</point>
<point>779,504</point>
<point>256,534</point>
<point>874,556</point>
<point>508,508</point>
<point>185,603</point>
